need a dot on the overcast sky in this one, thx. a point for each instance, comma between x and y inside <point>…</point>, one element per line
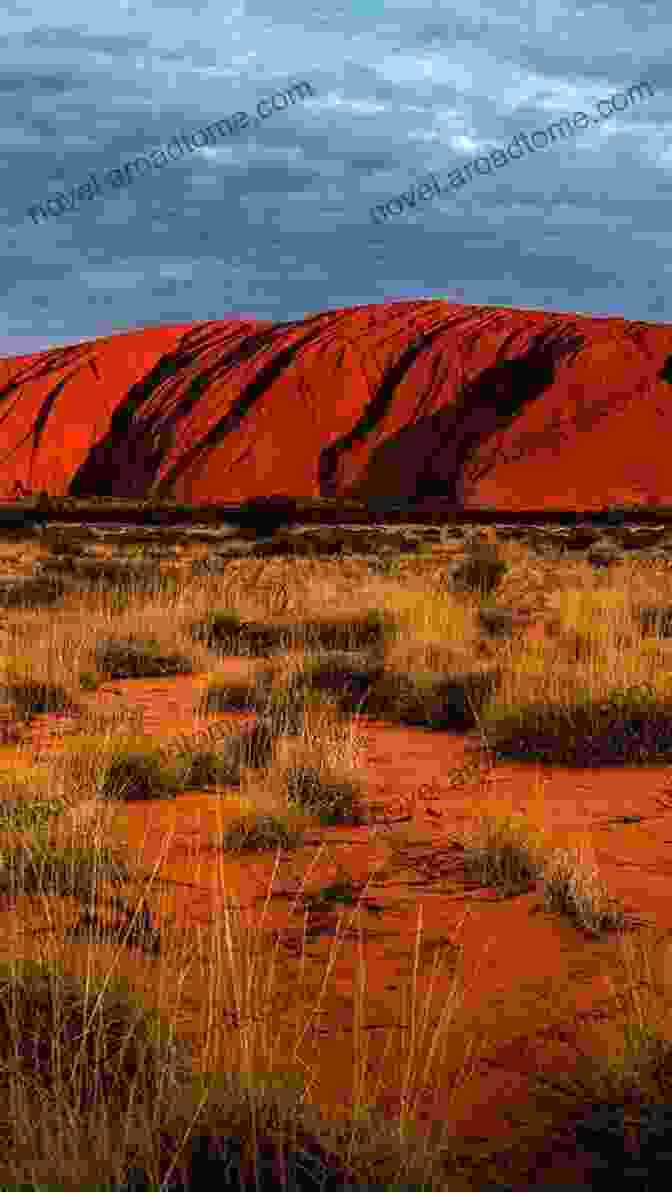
<point>276,220</point>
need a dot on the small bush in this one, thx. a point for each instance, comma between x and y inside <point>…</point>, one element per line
<point>222,629</point>
<point>431,698</point>
<point>33,696</point>
<point>206,768</point>
<point>576,892</point>
<point>656,620</point>
<point>334,802</point>
<point>121,659</point>
<point>107,1045</point>
<point>349,677</point>
<point>136,774</point>
<point>220,697</point>
<point>602,1134</point>
<point>508,855</point>
<point>89,681</point>
<point>58,870</point>
<point>220,1149</point>
<point>254,833</point>
<point>134,928</point>
<point>227,632</point>
<point>628,727</point>
<point>480,572</point>
<point>29,814</point>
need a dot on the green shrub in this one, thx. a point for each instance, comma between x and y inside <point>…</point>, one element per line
<point>483,569</point>
<point>136,774</point>
<point>38,1007</point>
<point>333,802</point>
<point>88,680</point>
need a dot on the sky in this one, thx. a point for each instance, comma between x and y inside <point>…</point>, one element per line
<point>295,206</point>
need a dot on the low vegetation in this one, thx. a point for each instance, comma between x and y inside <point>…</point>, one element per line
<point>98,1092</point>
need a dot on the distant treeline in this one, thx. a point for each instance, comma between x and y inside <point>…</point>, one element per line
<point>272,513</point>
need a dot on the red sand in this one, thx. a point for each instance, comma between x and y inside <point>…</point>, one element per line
<point>491,407</point>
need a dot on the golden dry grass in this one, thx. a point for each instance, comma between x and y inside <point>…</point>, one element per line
<point>597,647</point>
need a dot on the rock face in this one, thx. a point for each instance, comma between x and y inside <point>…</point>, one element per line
<point>480,406</point>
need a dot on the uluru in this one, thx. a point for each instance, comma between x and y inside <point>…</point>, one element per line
<point>411,400</point>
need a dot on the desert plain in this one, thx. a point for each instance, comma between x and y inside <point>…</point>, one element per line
<point>435,913</point>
